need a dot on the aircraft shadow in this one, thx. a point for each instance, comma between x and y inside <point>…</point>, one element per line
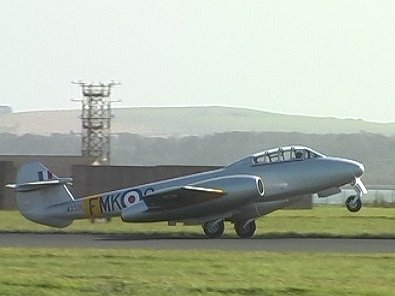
<point>141,236</point>
<point>152,236</point>
<point>189,236</point>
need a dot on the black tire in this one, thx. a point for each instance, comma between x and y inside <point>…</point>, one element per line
<point>353,206</point>
<point>245,231</point>
<point>214,229</point>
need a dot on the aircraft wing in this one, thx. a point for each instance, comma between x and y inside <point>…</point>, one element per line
<point>215,195</point>
<point>179,197</point>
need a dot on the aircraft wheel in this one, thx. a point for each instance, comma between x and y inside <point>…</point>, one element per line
<point>214,229</point>
<point>353,206</point>
<point>244,230</point>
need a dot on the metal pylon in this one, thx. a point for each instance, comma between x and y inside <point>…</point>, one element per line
<point>96,120</point>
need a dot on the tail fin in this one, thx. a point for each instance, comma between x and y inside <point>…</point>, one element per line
<point>37,190</point>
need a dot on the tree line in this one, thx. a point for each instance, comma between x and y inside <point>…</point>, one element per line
<point>373,150</point>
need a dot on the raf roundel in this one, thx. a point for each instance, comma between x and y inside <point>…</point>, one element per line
<point>131,198</point>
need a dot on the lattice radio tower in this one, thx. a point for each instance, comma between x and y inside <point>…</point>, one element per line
<point>96,120</point>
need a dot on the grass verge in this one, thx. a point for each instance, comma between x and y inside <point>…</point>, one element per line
<point>149,272</point>
<point>318,222</point>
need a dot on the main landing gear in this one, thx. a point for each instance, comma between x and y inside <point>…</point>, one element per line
<point>244,228</point>
<point>353,202</point>
<point>214,229</point>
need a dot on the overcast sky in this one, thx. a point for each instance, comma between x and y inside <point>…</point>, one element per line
<point>321,58</point>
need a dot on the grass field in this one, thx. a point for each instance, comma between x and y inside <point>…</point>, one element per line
<point>142,272</point>
<point>198,272</point>
<point>321,221</point>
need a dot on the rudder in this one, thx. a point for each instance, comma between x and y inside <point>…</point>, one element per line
<point>38,190</point>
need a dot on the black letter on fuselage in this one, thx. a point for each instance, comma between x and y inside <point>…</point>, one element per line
<point>115,201</point>
<point>105,204</point>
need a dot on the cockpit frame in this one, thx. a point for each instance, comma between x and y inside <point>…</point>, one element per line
<point>285,154</point>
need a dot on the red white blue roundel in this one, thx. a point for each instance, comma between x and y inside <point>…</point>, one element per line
<point>131,198</point>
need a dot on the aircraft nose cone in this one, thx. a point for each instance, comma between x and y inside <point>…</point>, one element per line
<point>358,169</point>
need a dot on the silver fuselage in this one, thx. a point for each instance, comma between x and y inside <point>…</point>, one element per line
<point>284,183</point>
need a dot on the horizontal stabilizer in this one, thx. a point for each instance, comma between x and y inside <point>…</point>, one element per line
<point>39,185</point>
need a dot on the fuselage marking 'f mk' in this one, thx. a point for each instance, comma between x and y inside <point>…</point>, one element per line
<point>99,205</point>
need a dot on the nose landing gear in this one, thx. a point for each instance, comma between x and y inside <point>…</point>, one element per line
<point>353,202</point>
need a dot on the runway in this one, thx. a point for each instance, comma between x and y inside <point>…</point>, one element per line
<point>191,242</point>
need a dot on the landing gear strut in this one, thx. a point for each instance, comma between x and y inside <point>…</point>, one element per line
<point>353,202</point>
<point>245,229</point>
<point>214,229</point>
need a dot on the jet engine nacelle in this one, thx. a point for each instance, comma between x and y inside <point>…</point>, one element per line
<point>237,190</point>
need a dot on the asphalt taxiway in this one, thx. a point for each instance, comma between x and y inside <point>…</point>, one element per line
<point>190,242</point>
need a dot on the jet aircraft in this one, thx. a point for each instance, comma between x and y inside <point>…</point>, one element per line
<point>240,192</point>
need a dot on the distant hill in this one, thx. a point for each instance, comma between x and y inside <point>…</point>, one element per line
<point>182,121</point>
<point>374,151</point>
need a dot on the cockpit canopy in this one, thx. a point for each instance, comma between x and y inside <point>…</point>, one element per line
<point>285,154</point>
<point>276,155</point>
